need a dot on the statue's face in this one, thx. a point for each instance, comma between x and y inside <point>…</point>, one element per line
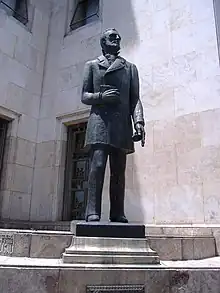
<point>111,42</point>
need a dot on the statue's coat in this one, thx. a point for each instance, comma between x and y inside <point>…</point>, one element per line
<point>111,124</point>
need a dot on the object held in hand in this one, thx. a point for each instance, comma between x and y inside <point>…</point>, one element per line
<point>106,87</point>
<point>137,136</point>
<point>110,94</point>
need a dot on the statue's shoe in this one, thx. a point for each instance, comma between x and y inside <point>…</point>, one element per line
<point>93,218</point>
<point>120,219</point>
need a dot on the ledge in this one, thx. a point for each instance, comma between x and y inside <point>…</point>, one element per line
<point>8,113</point>
<point>207,264</point>
<point>68,118</point>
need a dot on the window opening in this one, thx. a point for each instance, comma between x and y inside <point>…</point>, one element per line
<point>3,133</point>
<point>16,8</point>
<point>86,11</point>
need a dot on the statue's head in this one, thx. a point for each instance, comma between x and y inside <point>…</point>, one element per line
<point>110,41</point>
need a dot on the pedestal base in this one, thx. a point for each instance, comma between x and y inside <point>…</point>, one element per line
<point>91,250</point>
<point>110,243</point>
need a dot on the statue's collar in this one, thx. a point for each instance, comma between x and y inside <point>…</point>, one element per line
<point>117,64</point>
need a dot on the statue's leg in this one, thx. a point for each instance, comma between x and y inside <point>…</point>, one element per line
<point>95,183</point>
<point>117,160</point>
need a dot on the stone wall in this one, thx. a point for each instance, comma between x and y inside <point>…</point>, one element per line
<point>175,178</point>
<point>22,55</point>
<point>177,174</point>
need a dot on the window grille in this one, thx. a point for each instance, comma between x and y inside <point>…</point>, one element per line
<point>116,289</point>
<point>86,11</point>
<point>16,8</point>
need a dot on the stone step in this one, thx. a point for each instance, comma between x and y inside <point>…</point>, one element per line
<point>150,229</point>
<point>30,225</point>
<point>35,244</point>
<point>51,275</point>
<point>183,248</point>
<point>28,262</point>
<point>52,244</point>
<point>110,259</point>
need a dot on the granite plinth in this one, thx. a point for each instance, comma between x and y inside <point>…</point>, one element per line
<point>107,229</point>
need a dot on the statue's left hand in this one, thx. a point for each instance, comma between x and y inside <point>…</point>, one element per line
<point>139,127</point>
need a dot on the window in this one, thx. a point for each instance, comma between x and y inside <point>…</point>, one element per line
<point>16,8</point>
<point>77,170</point>
<point>86,11</point>
<point>3,132</point>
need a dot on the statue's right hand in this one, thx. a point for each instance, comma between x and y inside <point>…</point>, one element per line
<point>111,96</point>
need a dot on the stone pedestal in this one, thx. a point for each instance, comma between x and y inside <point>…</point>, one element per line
<point>110,244</point>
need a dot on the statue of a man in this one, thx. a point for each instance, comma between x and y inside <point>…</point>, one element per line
<point>111,87</point>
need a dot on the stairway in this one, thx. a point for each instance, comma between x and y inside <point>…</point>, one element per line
<point>30,261</point>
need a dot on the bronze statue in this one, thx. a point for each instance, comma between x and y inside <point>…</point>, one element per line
<point>111,87</point>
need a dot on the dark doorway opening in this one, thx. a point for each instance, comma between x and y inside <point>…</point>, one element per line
<point>76,174</point>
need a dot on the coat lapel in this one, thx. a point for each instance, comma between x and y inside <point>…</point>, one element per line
<point>117,64</point>
<point>103,62</point>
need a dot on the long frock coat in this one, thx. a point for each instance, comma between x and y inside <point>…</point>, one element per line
<point>111,124</point>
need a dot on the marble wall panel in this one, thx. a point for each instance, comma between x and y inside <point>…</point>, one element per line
<point>179,204</point>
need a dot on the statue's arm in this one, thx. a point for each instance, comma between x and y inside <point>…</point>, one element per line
<point>88,95</point>
<point>136,105</point>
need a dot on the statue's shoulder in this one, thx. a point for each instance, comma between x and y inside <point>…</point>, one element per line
<point>128,63</point>
<point>91,62</point>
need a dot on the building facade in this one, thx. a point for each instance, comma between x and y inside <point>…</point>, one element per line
<point>44,45</point>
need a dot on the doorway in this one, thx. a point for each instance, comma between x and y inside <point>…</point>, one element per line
<point>76,174</point>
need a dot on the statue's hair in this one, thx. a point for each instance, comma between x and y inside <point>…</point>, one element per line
<point>109,29</point>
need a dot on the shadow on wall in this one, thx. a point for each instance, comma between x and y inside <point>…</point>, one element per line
<point>120,15</point>
<point>133,204</point>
